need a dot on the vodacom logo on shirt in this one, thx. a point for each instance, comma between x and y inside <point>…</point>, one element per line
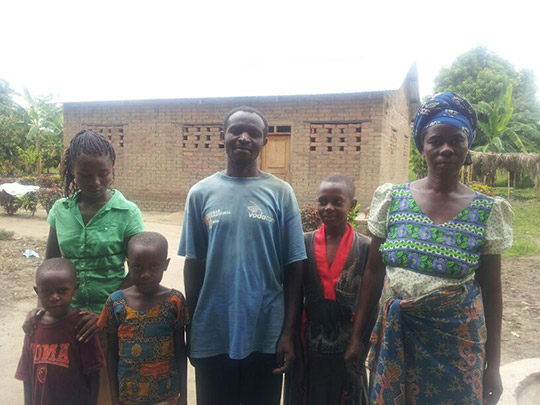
<point>254,211</point>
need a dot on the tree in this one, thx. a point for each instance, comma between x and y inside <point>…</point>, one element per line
<point>51,152</point>
<point>44,119</point>
<point>481,75</point>
<point>12,130</point>
<point>484,78</point>
<point>28,158</point>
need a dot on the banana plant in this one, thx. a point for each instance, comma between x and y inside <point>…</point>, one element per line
<point>498,124</point>
<point>45,119</point>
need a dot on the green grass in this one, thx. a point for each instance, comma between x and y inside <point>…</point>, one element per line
<point>517,194</point>
<point>6,234</point>
<point>526,228</point>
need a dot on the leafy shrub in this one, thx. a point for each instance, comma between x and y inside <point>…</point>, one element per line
<point>8,179</point>
<point>29,202</point>
<point>10,204</point>
<point>310,218</point>
<point>48,196</point>
<point>49,181</point>
<point>351,218</point>
<point>417,163</point>
<point>481,188</point>
<point>28,180</point>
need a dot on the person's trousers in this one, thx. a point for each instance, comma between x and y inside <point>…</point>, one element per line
<point>221,380</point>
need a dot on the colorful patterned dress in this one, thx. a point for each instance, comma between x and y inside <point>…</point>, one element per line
<point>428,346</point>
<point>146,365</point>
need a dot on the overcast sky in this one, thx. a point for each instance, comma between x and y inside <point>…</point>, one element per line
<point>106,50</point>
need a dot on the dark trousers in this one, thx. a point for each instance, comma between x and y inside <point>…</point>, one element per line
<point>223,381</point>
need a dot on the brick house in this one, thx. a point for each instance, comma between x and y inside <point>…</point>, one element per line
<point>165,146</point>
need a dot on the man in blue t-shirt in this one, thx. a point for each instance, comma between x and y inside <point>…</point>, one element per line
<point>243,243</point>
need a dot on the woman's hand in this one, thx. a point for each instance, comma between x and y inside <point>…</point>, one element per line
<point>87,326</point>
<point>492,385</point>
<point>355,357</point>
<point>31,321</point>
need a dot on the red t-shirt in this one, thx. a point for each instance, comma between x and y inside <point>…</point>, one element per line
<point>58,365</point>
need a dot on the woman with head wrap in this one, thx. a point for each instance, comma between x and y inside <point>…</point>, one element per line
<point>437,337</point>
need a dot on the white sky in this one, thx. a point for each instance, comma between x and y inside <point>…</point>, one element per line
<point>115,49</point>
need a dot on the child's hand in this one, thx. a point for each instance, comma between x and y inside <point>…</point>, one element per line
<point>32,319</point>
<point>355,357</point>
<point>87,326</point>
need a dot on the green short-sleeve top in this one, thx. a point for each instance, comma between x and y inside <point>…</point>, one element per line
<point>98,249</point>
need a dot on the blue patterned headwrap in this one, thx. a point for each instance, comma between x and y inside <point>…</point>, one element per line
<point>445,108</point>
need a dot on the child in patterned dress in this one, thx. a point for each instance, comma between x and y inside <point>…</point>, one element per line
<point>145,324</point>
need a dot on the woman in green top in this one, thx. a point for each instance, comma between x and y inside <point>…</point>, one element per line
<point>91,226</point>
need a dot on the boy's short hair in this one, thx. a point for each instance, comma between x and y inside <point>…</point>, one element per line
<point>56,264</point>
<point>342,179</point>
<point>247,109</point>
<point>148,239</point>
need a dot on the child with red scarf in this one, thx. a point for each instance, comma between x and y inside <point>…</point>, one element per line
<point>333,271</point>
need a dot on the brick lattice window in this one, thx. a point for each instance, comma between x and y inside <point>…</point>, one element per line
<point>114,133</point>
<point>201,136</point>
<point>335,137</point>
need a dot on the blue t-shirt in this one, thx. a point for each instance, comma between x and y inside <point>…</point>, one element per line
<point>247,230</point>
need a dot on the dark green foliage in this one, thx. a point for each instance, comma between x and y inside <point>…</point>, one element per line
<point>351,218</point>
<point>29,202</point>
<point>48,196</point>
<point>10,203</point>
<point>28,180</point>
<point>484,78</point>
<point>48,181</point>
<point>29,138</point>
<point>481,75</point>
<point>12,131</point>
<point>310,218</point>
<point>417,163</point>
<point>502,131</point>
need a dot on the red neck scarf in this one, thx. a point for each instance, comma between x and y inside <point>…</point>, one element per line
<point>330,274</point>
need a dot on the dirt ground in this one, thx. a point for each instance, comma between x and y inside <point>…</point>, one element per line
<point>521,280</point>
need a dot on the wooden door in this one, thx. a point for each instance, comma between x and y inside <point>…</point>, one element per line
<point>276,156</point>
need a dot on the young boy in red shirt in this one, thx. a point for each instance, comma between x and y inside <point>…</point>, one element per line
<point>55,366</point>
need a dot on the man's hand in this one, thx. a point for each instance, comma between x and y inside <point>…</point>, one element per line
<point>284,354</point>
<point>492,385</point>
<point>31,321</point>
<point>87,326</point>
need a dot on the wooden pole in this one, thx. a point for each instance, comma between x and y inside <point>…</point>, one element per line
<point>508,184</point>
